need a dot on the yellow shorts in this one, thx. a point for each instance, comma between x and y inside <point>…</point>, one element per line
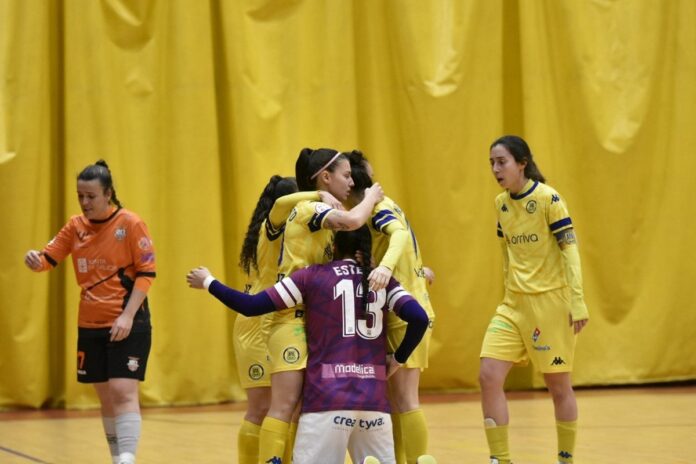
<point>532,327</point>
<point>419,357</point>
<point>250,339</point>
<point>287,346</point>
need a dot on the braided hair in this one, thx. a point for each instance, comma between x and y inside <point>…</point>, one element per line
<point>277,187</point>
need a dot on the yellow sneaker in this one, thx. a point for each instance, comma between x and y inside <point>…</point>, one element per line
<point>426,459</point>
<point>370,460</point>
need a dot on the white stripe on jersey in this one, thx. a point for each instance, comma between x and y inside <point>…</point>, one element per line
<point>394,296</point>
<point>289,292</point>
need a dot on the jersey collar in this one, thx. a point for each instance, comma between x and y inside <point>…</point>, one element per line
<point>529,187</point>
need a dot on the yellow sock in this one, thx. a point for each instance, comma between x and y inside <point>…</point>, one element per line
<point>497,436</point>
<point>414,434</point>
<point>274,433</point>
<point>248,443</point>
<point>566,432</point>
<point>398,442</point>
<point>292,432</point>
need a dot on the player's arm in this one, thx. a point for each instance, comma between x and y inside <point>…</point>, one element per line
<point>413,313</point>
<point>283,206</point>
<point>398,238</point>
<point>243,303</point>
<point>571,259</point>
<point>53,253</point>
<point>358,215</point>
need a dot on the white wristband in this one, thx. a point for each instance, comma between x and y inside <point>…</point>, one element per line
<point>208,280</point>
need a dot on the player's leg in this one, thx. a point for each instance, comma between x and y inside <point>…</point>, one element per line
<point>502,347</point>
<point>258,402</point>
<point>127,363</point>
<point>403,387</point>
<point>322,437</point>
<point>108,419</point>
<point>286,388</point>
<point>492,375</point>
<point>566,412</point>
<point>250,343</point>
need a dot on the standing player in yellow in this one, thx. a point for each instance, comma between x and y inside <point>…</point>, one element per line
<point>307,240</point>
<point>543,308</point>
<point>259,260</point>
<point>395,248</point>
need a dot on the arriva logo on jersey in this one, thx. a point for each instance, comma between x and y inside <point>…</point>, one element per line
<point>522,238</point>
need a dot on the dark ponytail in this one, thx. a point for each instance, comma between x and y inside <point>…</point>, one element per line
<point>277,187</point>
<point>311,162</point>
<point>519,150</point>
<point>347,245</point>
<point>100,170</point>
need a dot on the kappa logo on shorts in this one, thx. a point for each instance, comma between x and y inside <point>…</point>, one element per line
<point>255,371</point>
<point>133,364</point>
<point>557,361</point>
<point>291,355</point>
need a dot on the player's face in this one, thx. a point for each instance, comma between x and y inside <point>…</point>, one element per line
<point>339,182</point>
<point>93,201</point>
<point>507,172</point>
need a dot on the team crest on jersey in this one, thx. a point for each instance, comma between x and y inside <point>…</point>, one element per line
<point>321,207</point>
<point>144,243</point>
<point>291,355</point>
<point>531,206</point>
<point>120,233</point>
<point>255,371</point>
<point>133,364</point>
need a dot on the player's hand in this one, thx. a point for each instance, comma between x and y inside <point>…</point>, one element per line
<point>577,325</point>
<point>374,193</point>
<point>121,327</point>
<point>196,276</point>
<point>331,200</point>
<point>33,260</point>
<point>379,278</point>
<point>392,365</point>
<point>429,275</point>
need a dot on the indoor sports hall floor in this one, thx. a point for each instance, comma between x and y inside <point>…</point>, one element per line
<point>647,425</point>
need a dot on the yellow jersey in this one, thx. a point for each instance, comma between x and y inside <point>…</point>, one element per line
<point>386,217</point>
<point>305,242</point>
<point>527,222</point>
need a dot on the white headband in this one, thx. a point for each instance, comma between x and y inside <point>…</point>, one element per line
<point>326,165</point>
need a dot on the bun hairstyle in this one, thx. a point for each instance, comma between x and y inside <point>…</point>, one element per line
<point>100,170</point>
<point>519,150</point>
<point>277,187</point>
<point>311,162</point>
<point>358,171</point>
<point>347,244</point>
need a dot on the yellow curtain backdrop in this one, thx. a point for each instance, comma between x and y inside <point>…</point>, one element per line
<point>195,104</point>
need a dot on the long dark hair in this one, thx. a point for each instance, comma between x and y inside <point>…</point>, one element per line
<point>519,150</point>
<point>277,187</point>
<point>310,162</point>
<point>100,170</point>
<point>347,244</point>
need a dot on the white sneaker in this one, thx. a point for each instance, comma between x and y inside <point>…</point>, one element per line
<point>126,458</point>
<point>426,459</point>
<point>494,461</point>
<point>370,460</point>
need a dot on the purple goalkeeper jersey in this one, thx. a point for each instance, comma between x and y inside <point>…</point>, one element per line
<point>347,349</point>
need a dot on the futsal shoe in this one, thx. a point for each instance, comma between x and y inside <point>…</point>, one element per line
<point>370,460</point>
<point>495,461</point>
<point>426,459</point>
<point>126,458</point>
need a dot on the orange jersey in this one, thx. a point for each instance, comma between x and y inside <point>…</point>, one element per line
<point>110,257</point>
